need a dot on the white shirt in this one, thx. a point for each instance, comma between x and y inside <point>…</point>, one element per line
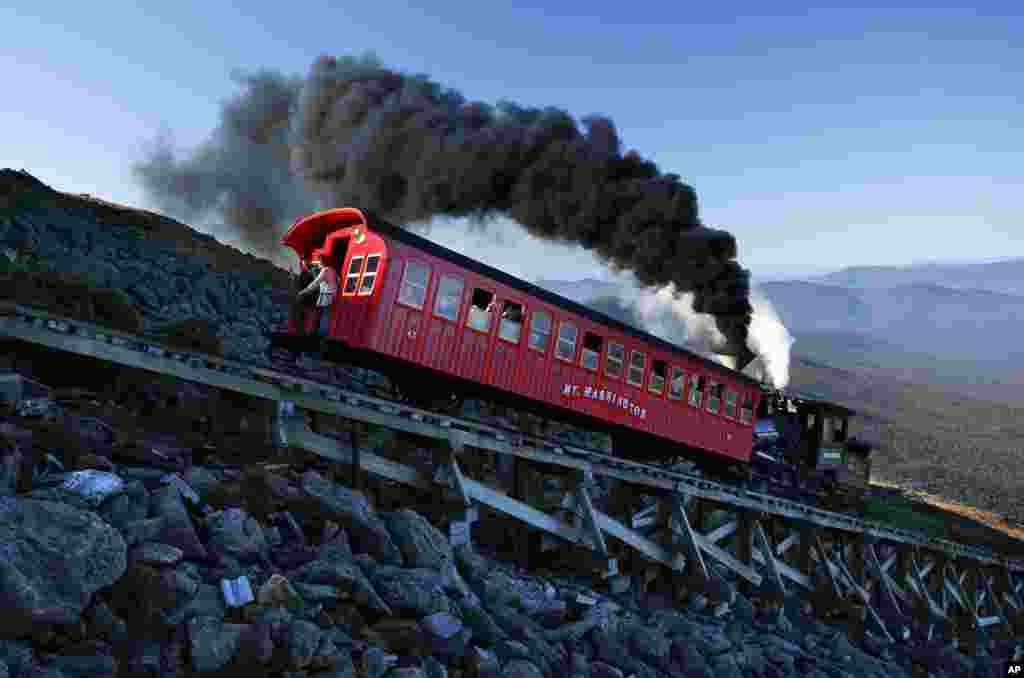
<point>327,281</point>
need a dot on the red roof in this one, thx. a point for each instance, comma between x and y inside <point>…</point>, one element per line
<point>311,231</point>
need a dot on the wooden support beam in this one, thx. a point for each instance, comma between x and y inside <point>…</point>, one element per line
<point>745,544</point>
<point>722,531</point>
<point>787,571</point>
<point>586,514</point>
<point>885,582</point>
<point>808,538</point>
<point>685,540</point>
<point>833,572</point>
<point>787,543</point>
<point>768,556</point>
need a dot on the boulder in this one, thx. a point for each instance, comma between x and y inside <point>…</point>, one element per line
<point>52,559</point>
<point>418,592</point>
<point>399,636</point>
<point>351,509</point>
<point>235,533</point>
<point>213,643</point>
<point>421,544</point>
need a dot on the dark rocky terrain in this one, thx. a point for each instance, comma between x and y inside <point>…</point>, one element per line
<point>128,503</point>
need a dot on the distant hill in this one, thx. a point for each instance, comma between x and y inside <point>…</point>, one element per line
<point>1006,276</point>
<point>962,324</point>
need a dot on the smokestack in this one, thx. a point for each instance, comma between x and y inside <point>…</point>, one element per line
<point>356,133</point>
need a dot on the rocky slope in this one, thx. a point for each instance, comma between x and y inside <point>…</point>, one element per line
<point>126,552</point>
<point>136,542</point>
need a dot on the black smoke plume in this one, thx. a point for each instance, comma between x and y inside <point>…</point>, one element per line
<point>356,133</point>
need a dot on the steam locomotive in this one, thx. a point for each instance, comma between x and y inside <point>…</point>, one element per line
<point>443,327</point>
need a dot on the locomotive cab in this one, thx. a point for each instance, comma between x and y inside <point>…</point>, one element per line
<point>812,436</point>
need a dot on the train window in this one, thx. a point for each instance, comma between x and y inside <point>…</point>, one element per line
<point>414,284</point>
<point>511,322</point>
<point>591,350</point>
<point>370,274</point>
<point>696,389</point>
<point>840,431</point>
<point>810,422</point>
<point>540,330</point>
<point>656,383</point>
<point>834,429</point>
<point>616,356</point>
<point>747,410</point>
<point>449,297</point>
<point>637,367</point>
<point>678,384</point>
<point>479,316</point>
<point>730,404</point>
<point>352,278</point>
<point>714,397</point>
<point>567,334</point>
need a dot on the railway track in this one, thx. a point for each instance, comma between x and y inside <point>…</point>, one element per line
<point>292,384</point>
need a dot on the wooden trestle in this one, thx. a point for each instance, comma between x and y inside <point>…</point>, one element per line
<point>662,529</point>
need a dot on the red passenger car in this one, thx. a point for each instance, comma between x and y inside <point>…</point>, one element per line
<point>435,320</point>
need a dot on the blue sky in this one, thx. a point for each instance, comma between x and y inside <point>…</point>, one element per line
<point>821,137</point>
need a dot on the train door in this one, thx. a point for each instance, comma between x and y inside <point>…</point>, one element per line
<point>509,318</point>
<point>533,373</point>
<point>407,319</point>
<point>477,331</point>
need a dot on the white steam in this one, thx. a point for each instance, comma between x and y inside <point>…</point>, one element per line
<point>670,316</point>
<point>663,310</point>
<point>769,339</point>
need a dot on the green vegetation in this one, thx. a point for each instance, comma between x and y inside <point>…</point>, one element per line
<point>903,512</point>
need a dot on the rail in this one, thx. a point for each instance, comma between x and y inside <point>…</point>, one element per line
<point>43,328</point>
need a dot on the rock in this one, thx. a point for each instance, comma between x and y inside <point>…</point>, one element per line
<point>213,643</point>
<point>144,658</point>
<point>342,668</point>
<point>186,539</point>
<point>433,668</point>
<point>347,577</point>
<point>483,663</point>
<point>139,531</point>
<point>521,668</point>
<point>507,650</point>
<point>724,666</point>
<point>376,662</point>
<point>399,636</point>
<point>85,665</point>
<point>235,533</point>
<point>155,553</point>
<point>201,480</point>
<point>52,559</point>
<point>650,645</point>
<point>351,509</point>
<point>417,592</point>
<point>337,549</point>
<point>485,629</point>
<point>144,592</point>
<point>207,602</point>
<point>131,505</point>
<point>689,656</point>
<point>106,624</point>
<point>290,556</point>
<point>319,593</point>
<point>278,592</point>
<point>447,635</point>
<point>421,544</point>
<point>602,670</point>
<point>93,487</point>
<point>743,610</point>
<point>15,461</point>
<point>303,640</point>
